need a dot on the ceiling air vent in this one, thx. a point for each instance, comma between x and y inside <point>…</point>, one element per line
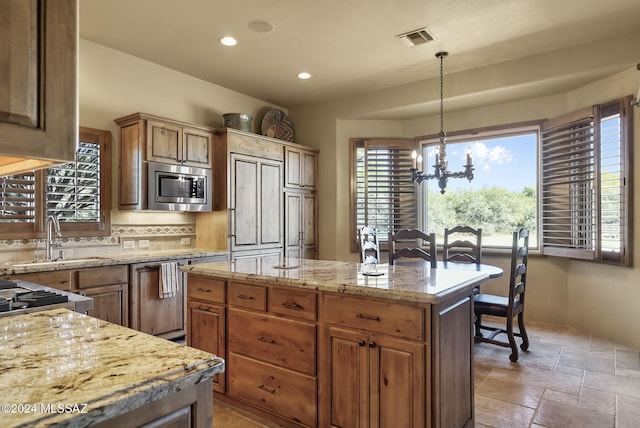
<point>416,37</point>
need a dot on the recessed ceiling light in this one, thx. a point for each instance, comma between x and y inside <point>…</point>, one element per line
<point>260,26</point>
<point>304,75</point>
<point>228,41</point>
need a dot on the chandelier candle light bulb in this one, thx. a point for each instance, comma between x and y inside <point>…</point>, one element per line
<point>441,168</point>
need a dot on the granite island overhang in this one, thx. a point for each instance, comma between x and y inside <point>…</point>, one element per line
<point>317,343</point>
<point>61,368</point>
<point>407,283</point>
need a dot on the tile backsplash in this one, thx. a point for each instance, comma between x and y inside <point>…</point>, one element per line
<point>123,238</point>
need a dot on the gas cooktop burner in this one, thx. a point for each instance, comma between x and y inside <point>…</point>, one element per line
<point>14,297</point>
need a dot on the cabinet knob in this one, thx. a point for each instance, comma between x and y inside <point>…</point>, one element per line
<point>372,344</point>
<point>361,343</point>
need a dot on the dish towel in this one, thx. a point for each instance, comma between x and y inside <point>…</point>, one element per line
<point>168,286</point>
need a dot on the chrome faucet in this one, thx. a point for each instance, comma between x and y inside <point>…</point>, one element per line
<point>52,228</point>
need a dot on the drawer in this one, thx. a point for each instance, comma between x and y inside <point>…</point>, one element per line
<point>248,296</point>
<point>286,343</point>
<point>107,275</point>
<point>290,395</point>
<point>293,303</point>
<point>210,290</point>
<point>375,316</point>
<point>60,279</point>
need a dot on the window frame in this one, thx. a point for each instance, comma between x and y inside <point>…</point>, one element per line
<point>590,118</point>
<point>404,144</point>
<point>36,230</point>
<point>472,135</point>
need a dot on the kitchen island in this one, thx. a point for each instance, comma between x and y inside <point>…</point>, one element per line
<point>62,368</point>
<point>319,343</point>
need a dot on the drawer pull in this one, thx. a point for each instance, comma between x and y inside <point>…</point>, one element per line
<point>262,339</point>
<point>202,308</point>
<point>264,388</point>
<point>245,297</point>
<point>368,317</point>
<point>293,306</point>
<point>204,290</point>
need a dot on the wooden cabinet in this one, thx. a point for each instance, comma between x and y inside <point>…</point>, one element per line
<point>272,359</point>
<point>300,225</point>
<point>301,164</point>
<point>206,319</point>
<point>175,144</point>
<point>143,138</point>
<point>38,90</point>
<point>374,363</point>
<point>163,317</point>
<point>248,184</point>
<point>256,203</point>
<point>300,203</point>
<point>374,380</point>
<point>109,288</point>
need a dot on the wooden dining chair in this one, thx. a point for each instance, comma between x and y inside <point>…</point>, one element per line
<point>462,244</point>
<point>409,243</point>
<point>510,306</point>
<point>369,247</point>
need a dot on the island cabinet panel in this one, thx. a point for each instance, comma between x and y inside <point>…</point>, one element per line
<point>248,296</point>
<point>288,394</point>
<point>294,303</point>
<point>206,331</point>
<point>274,340</point>
<point>372,379</point>
<point>453,377</point>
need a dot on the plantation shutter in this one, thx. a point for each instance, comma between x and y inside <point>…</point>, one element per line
<point>568,185</point>
<point>18,198</point>
<point>585,167</point>
<point>73,188</point>
<point>385,196</point>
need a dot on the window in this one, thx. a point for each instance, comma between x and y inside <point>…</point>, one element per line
<point>585,164</point>
<point>384,196</point>
<point>502,195</point>
<point>78,193</point>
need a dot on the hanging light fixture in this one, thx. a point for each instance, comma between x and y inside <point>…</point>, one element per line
<point>441,167</point>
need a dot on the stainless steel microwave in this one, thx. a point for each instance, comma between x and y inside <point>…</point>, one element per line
<point>178,188</point>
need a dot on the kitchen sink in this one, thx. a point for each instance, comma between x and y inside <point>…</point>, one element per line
<point>57,262</point>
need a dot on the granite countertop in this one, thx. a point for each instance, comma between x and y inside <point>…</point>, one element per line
<point>408,283</point>
<point>120,258</point>
<point>87,370</point>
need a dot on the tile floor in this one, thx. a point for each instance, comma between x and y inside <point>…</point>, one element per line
<point>567,379</point>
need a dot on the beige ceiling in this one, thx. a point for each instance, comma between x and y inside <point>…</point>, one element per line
<point>349,46</point>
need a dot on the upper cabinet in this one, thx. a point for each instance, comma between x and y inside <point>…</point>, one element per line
<point>38,91</point>
<point>184,145</point>
<point>300,168</point>
<point>143,138</point>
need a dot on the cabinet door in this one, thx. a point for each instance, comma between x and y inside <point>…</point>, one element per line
<point>206,327</point>
<point>300,168</point>
<point>196,150</point>
<point>164,142</point>
<point>109,303</point>
<point>38,91</point>
<point>256,201</point>
<point>309,160</point>
<point>148,312</point>
<point>293,228</point>
<point>309,231</point>
<point>397,382</point>
<point>348,377</point>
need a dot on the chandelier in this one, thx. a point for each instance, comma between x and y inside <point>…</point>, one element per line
<point>441,167</point>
